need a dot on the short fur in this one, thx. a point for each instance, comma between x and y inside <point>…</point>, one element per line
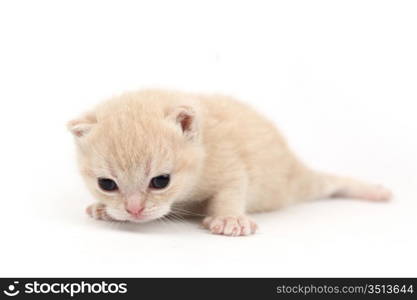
<point>225,160</point>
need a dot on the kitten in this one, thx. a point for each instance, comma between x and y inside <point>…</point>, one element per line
<point>148,153</point>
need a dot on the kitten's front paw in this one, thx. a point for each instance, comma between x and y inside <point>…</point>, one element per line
<point>98,211</point>
<point>230,226</point>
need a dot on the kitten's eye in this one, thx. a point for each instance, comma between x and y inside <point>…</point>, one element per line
<point>160,182</point>
<point>107,184</point>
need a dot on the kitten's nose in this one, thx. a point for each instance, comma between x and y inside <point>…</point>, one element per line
<point>135,209</point>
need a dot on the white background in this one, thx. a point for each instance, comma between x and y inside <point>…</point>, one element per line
<point>338,77</point>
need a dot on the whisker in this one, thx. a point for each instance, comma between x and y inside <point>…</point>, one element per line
<point>167,221</point>
<point>177,221</point>
<point>186,212</point>
<point>177,217</point>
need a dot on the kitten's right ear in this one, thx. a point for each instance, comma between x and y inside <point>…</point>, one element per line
<point>81,126</point>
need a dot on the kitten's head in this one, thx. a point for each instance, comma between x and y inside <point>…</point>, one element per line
<point>139,157</point>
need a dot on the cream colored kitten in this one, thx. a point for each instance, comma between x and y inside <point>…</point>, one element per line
<point>148,153</point>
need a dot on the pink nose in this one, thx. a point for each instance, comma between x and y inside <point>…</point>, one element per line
<point>135,210</point>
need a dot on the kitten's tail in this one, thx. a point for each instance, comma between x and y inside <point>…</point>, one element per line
<point>333,186</point>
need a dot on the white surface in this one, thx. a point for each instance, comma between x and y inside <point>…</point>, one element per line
<point>338,77</point>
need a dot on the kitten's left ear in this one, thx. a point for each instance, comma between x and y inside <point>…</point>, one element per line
<point>81,126</point>
<point>186,118</point>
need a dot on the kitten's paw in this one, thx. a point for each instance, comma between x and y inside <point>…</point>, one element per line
<point>230,226</point>
<point>98,211</point>
<point>376,193</point>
